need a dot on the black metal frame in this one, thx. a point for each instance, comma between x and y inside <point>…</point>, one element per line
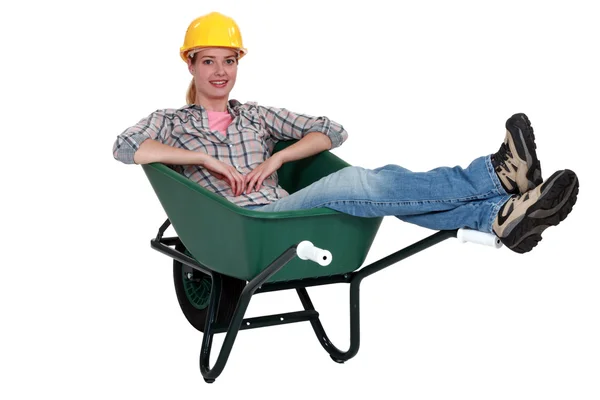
<point>259,285</point>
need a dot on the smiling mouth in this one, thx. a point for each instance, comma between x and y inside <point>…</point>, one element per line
<point>219,84</point>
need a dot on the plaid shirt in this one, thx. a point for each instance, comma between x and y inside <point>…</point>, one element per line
<point>249,141</point>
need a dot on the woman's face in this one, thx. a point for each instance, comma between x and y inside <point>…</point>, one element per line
<point>214,71</point>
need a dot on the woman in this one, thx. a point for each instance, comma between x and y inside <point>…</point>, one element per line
<point>226,146</point>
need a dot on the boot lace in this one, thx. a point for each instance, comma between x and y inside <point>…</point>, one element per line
<point>502,156</point>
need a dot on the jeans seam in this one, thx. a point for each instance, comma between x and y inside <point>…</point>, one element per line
<point>412,202</point>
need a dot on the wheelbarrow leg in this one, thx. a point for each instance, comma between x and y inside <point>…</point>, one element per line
<point>213,306</point>
<point>355,279</point>
<point>336,354</point>
<point>210,374</point>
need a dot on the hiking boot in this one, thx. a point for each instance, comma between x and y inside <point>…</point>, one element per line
<point>522,219</point>
<point>516,162</point>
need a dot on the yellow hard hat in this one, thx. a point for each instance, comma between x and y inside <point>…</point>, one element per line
<point>212,30</point>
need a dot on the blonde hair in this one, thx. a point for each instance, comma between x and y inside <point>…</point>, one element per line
<point>190,96</point>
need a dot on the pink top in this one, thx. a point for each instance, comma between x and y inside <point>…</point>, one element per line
<point>219,121</point>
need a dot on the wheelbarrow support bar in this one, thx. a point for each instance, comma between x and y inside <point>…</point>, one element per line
<point>259,285</point>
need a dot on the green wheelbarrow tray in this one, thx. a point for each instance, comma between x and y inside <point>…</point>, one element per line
<point>224,254</point>
<point>240,243</point>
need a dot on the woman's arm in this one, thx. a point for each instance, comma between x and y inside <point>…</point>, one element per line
<point>152,151</point>
<point>311,144</point>
<point>314,135</point>
<point>144,143</point>
<point>156,128</point>
<point>283,124</point>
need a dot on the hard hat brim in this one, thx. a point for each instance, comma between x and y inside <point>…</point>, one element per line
<point>185,53</point>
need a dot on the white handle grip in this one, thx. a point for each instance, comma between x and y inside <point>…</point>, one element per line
<point>471,235</point>
<point>307,251</point>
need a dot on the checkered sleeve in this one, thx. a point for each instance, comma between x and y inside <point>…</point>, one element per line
<point>283,124</point>
<point>155,126</point>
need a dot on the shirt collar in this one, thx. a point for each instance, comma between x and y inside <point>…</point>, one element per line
<point>232,108</point>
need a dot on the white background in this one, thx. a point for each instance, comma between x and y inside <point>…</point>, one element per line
<point>88,309</point>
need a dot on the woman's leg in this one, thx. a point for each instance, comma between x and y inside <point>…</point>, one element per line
<point>503,193</point>
<point>518,219</point>
<point>392,190</point>
<point>478,214</point>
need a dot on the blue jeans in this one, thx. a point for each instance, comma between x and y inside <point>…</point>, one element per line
<point>440,199</point>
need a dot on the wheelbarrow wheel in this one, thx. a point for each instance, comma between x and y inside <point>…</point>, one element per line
<point>193,290</point>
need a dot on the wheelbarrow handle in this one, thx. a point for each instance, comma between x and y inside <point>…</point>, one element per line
<point>470,235</point>
<point>307,251</point>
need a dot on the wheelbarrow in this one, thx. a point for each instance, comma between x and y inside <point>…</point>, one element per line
<point>224,254</point>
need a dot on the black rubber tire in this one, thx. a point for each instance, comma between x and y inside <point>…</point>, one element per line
<point>231,289</point>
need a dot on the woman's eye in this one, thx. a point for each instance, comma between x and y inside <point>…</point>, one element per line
<point>207,62</point>
<point>230,61</point>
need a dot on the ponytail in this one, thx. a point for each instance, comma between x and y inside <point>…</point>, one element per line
<point>190,96</point>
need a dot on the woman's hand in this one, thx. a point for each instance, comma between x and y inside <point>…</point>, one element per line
<point>255,178</point>
<point>226,172</point>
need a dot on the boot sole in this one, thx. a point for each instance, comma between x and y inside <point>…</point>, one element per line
<point>554,205</point>
<point>520,126</point>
